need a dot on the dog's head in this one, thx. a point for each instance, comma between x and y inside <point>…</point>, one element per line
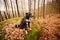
<point>29,15</point>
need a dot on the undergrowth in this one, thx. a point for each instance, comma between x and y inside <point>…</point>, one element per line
<point>34,34</point>
<point>2,33</point>
<point>5,21</point>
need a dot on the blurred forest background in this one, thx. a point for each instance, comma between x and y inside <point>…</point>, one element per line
<point>17,8</point>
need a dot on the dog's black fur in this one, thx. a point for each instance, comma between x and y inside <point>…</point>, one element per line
<point>24,23</point>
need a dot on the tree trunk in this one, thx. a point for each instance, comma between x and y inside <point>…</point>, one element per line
<point>43,8</point>
<point>1,17</point>
<point>29,5</point>
<point>5,15</point>
<point>38,9</point>
<point>6,8</point>
<point>22,7</point>
<point>12,8</point>
<point>17,8</point>
<point>34,7</point>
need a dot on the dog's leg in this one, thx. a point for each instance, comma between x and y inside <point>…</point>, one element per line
<point>26,30</point>
<point>29,26</point>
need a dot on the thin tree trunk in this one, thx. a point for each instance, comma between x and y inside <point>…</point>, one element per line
<point>1,17</point>
<point>43,8</point>
<point>22,8</point>
<point>6,8</point>
<point>12,8</point>
<point>5,15</point>
<point>17,8</point>
<point>29,5</point>
<point>34,7</point>
<point>38,9</point>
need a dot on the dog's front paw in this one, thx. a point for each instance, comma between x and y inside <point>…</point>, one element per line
<point>26,32</point>
<point>30,29</point>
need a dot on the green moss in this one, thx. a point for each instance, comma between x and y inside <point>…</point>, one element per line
<point>32,35</point>
<point>40,24</point>
<point>2,34</point>
<point>5,21</point>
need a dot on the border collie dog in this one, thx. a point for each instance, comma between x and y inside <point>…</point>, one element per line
<point>25,22</point>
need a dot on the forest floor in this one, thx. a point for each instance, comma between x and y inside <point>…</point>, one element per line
<point>12,33</point>
<point>50,28</point>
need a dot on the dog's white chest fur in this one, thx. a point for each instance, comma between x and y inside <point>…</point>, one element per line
<point>27,20</point>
